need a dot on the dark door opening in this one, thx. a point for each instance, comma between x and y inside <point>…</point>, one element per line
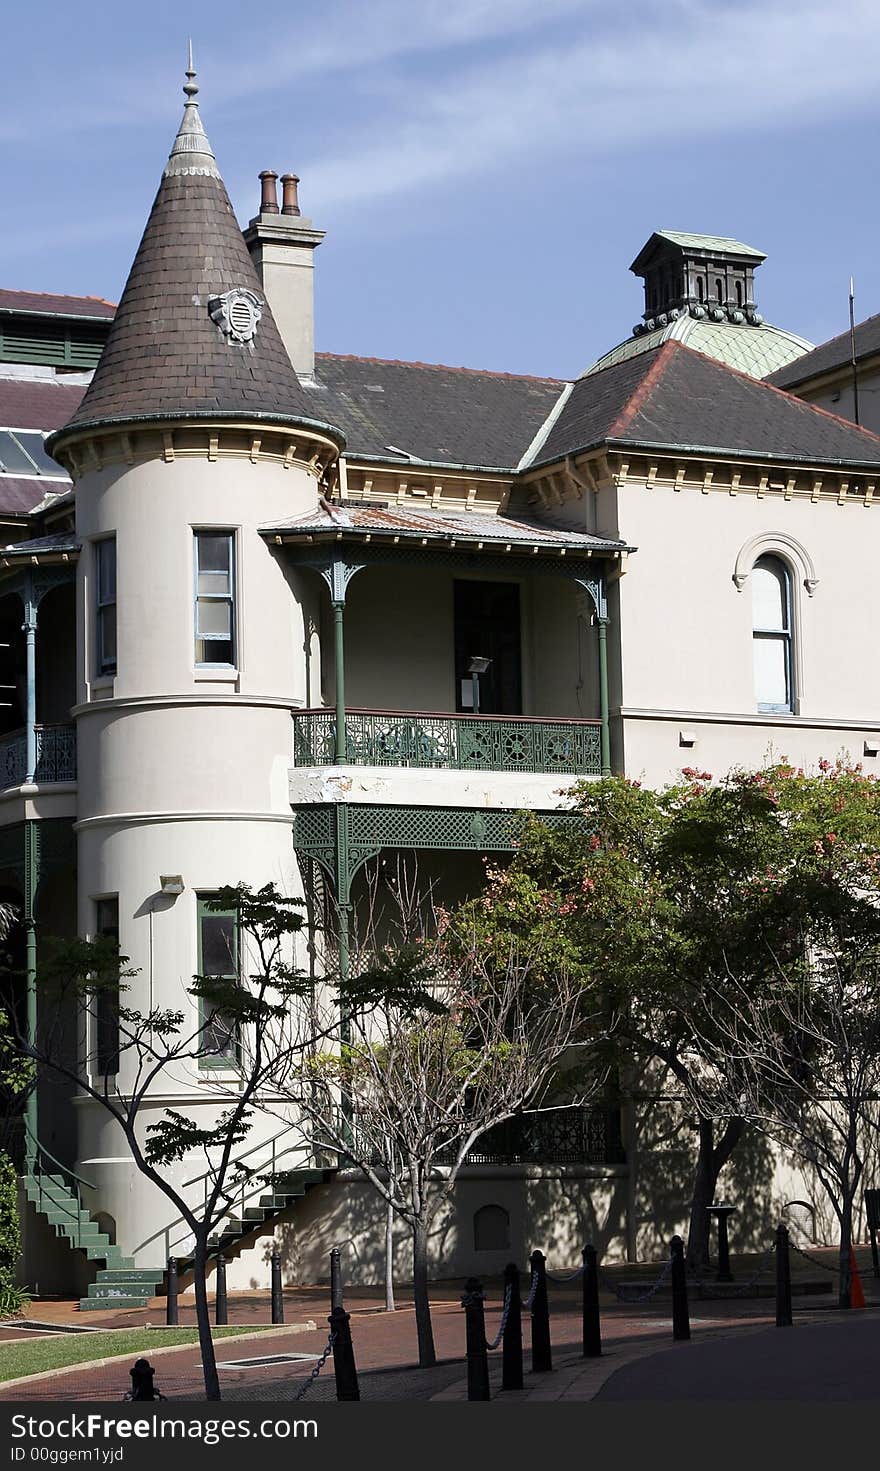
<point>487,625</point>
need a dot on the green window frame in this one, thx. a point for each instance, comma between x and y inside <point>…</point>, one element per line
<point>218,946</point>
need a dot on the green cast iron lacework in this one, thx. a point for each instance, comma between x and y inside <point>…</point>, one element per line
<point>397,738</point>
<point>56,755</point>
<point>341,836</point>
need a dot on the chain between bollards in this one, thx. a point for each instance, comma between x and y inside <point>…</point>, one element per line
<point>171,1313</point>
<point>347,1387</point>
<point>277,1293</point>
<point>783,1279</point>
<point>542,1357</point>
<point>592,1331</point>
<point>221,1309</point>
<point>511,1343</point>
<point>681,1325</point>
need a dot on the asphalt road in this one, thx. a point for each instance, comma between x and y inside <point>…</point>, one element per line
<point>813,1361</point>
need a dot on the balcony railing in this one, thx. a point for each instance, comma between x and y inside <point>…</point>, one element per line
<point>559,1136</point>
<point>56,755</point>
<point>451,742</point>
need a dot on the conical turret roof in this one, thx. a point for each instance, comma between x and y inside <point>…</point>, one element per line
<point>180,346</point>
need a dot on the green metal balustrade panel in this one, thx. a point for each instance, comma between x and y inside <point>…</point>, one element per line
<point>56,756</point>
<point>450,742</point>
<point>342,836</point>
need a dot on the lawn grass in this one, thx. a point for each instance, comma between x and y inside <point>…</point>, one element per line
<point>35,1355</point>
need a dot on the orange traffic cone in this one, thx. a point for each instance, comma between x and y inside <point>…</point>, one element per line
<point>856,1294</point>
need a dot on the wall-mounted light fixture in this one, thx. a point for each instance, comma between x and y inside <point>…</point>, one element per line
<point>687,738</point>
<point>171,883</point>
<point>477,665</point>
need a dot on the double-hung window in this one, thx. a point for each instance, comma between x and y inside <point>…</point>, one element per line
<point>105,604</point>
<point>214,598</point>
<point>107,998</point>
<point>772,636</point>
<point>218,958</point>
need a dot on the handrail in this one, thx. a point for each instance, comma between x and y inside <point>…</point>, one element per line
<point>66,1168</point>
<point>253,1188</point>
<point>446,715</point>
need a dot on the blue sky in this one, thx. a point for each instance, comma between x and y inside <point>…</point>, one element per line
<point>485,169</point>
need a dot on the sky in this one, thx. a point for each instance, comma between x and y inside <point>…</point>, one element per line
<point>485,170</point>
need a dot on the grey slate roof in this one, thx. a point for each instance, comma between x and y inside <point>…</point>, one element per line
<point>21,494</point>
<point>835,353</point>
<point>37,403</point>
<point>59,541</point>
<point>45,304</point>
<point>442,415</point>
<point>439,527</point>
<point>675,398</point>
<point>164,355</point>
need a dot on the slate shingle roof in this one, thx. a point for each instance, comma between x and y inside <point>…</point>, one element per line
<point>443,415</point>
<point>835,353</point>
<point>674,398</point>
<point>21,494</point>
<point>37,403</point>
<point>46,304</point>
<point>164,355</point>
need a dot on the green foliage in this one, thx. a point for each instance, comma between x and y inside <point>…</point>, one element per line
<point>175,1136</point>
<point>10,1231</point>
<point>13,1301</point>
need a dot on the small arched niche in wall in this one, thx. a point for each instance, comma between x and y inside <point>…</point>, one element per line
<point>491,1228</point>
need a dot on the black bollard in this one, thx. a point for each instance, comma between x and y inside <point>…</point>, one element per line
<point>681,1324</point>
<point>343,1356</point>
<point>335,1279</point>
<point>142,1387</point>
<point>221,1314</point>
<point>592,1327</point>
<point>171,1314</point>
<point>542,1358</point>
<point>277,1294</point>
<point>783,1279</point>
<point>511,1343</point>
<point>475,1332</point>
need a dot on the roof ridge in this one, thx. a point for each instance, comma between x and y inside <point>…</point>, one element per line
<point>56,295</point>
<point>353,357</point>
<point>790,398</point>
<point>645,387</point>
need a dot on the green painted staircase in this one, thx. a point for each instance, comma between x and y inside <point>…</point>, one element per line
<point>282,1191</point>
<point>119,1283</point>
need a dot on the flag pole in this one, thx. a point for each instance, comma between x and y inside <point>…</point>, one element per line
<point>852,349</point>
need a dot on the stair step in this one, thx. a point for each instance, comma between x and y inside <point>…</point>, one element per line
<point>124,1273</point>
<point>113,1290</point>
<point>102,1304</point>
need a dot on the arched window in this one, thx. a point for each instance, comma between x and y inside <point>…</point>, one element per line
<point>771,635</point>
<point>719,290</point>
<point>491,1228</point>
<point>701,296</point>
<point>739,293</point>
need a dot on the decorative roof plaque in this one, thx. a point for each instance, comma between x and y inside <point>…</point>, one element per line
<point>237,313</point>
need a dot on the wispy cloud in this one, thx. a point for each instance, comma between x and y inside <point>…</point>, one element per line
<point>662,72</point>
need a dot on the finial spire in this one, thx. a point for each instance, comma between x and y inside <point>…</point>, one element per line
<point>190,87</point>
<point>192,153</point>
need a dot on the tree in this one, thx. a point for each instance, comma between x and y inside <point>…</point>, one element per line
<point>799,1054</point>
<point>639,895</point>
<point>454,1045</point>
<point>264,1004</point>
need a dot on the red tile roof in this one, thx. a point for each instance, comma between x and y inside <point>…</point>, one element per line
<point>47,304</point>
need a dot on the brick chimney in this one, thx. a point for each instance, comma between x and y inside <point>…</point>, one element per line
<point>282,246</point>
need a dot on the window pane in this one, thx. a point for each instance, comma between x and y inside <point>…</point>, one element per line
<point>12,457</point>
<point>219,1038</point>
<point>771,672</point>
<point>107,570</point>
<point>214,582</point>
<point>214,619</point>
<point>107,999</point>
<point>214,552</point>
<point>107,638</point>
<point>218,945</point>
<point>769,601</point>
<point>214,651</point>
